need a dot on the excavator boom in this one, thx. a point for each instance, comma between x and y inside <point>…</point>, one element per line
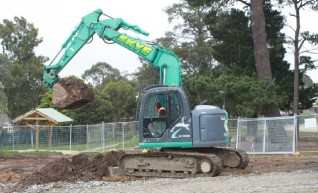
<point>107,29</point>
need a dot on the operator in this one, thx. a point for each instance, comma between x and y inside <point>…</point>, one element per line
<point>161,111</point>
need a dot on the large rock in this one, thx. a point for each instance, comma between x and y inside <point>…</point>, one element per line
<point>71,93</point>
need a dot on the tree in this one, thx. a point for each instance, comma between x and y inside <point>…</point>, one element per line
<point>18,40</point>
<point>233,46</point>
<point>243,95</point>
<point>122,96</point>
<point>5,75</point>
<point>261,53</point>
<point>97,111</point>
<point>298,41</point>
<point>100,74</point>
<point>145,76</point>
<point>190,40</point>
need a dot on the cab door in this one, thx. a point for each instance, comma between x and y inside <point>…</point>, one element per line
<point>169,129</point>
<point>154,121</point>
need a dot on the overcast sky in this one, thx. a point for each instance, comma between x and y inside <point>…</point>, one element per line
<point>57,19</point>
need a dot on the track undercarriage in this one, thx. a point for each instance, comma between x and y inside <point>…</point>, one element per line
<point>182,163</point>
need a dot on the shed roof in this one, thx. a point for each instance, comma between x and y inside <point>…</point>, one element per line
<point>43,114</point>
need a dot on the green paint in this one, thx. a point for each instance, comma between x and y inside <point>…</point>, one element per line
<point>166,144</point>
<point>135,46</point>
<point>174,135</point>
<point>227,137</point>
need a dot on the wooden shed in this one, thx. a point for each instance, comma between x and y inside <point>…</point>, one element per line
<point>36,116</point>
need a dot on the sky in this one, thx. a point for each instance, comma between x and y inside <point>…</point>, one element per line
<point>56,20</point>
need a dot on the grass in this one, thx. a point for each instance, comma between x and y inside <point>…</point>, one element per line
<point>309,153</point>
<point>116,143</point>
<point>10,153</point>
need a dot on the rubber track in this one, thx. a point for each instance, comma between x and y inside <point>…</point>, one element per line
<point>217,165</point>
<point>244,158</point>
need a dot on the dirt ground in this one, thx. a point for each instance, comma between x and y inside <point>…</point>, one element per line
<point>25,170</point>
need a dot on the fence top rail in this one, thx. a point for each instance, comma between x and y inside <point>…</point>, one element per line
<point>265,118</point>
<point>71,125</point>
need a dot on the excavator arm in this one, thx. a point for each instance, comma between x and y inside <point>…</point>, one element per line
<point>108,29</point>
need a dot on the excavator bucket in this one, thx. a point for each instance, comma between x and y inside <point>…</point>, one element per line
<point>70,93</point>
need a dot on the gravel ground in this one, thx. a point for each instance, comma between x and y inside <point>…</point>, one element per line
<point>297,181</point>
<point>274,174</point>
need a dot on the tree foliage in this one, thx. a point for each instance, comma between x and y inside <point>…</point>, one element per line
<point>145,76</point>
<point>122,96</point>
<point>243,95</point>
<point>190,39</point>
<point>100,74</point>
<point>23,89</point>
<point>97,111</point>
<point>302,63</point>
<point>5,76</point>
<point>19,38</point>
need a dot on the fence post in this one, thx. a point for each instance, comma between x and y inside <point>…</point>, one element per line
<point>32,137</point>
<point>12,135</point>
<point>102,136</point>
<point>113,127</point>
<point>295,132</point>
<point>123,134</point>
<point>87,138</point>
<point>237,132</point>
<point>264,137</point>
<point>70,137</point>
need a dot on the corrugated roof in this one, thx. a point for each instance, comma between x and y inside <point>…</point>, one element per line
<point>54,114</point>
<point>42,114</point>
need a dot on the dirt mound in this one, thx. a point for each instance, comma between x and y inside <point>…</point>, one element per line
<point>8,175</point>
<point>80,167</point>
<point>71,93</point>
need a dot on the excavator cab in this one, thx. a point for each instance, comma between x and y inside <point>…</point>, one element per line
<point>205,126</point>
<point>168,125</point>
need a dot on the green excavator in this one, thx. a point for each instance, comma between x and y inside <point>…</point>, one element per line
<point>182,142</point>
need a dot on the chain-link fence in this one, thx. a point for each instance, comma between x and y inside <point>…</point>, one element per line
<point>307,133</point>
<point>95,138</point>
<point>277,135</point>
<point>261,135</point>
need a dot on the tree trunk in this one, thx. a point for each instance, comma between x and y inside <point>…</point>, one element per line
<point>296,62</point>
<point>296,66</point>
<point>261,53</point>
<point>263,68</point>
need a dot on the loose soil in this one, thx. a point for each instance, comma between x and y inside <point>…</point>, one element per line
<point>28,169</point>
<point>71,93</point>
<point>25,170</point>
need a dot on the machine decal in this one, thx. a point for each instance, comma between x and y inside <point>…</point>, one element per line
<point>174,135</point>
<point>180,127</point>
<point>136,46</point>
